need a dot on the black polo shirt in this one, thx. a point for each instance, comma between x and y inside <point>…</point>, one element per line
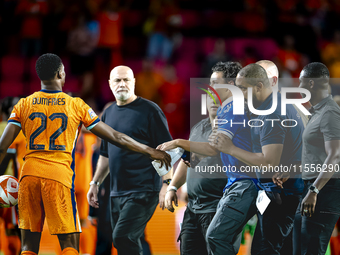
<point>130,171</point>
<point>323,125</point>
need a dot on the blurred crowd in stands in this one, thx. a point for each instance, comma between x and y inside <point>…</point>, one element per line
<point>165,42</point>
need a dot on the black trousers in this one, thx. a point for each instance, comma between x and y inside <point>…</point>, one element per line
<point>129,216</point>
<point>316,231</point>
<point>194,229</point>
<point>234,210</point>
<point>274,226</point>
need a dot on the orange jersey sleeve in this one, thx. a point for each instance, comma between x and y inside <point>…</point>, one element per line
<point>51,121</point>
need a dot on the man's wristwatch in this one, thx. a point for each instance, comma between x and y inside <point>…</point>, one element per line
<point>314,189</point>
<point>93,182</point>
<point>167,181</point>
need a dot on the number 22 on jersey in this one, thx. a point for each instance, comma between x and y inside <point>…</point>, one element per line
<point>42,128</point>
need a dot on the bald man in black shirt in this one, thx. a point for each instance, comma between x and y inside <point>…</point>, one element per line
<point>134,183</point>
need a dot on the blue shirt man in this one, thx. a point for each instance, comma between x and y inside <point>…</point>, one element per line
<point>236,128</point>
<point>237,205</point>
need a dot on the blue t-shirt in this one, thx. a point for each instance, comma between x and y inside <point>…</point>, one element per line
<point>237,129</point>
<point>273,132</point>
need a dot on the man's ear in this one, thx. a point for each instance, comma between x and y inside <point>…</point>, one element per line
<point>275,79</point>
<point>231,82</point>
<point>60,74</point>
<point>259,86</point>
<point>311,84</point>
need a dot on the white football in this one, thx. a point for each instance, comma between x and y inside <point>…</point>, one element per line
<point>9,187</point>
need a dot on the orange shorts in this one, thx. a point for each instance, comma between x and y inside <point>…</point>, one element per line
<point>83,204</point>
<point>40,198</point>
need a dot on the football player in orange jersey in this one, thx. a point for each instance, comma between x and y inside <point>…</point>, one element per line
<point>51,120</point>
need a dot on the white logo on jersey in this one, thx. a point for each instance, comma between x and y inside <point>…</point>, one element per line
<point>92,113</point>
<point>12,115</point>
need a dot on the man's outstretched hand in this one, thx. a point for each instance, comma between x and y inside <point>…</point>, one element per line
<point>167,146</point>
<point>162,156</point>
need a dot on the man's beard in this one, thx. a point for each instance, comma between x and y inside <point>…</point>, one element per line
<point>123,95</point>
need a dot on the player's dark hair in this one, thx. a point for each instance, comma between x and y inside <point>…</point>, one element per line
<point>47,66</point>
<point>255,73</point>
<point>315,70</point>
<point>229,69</point>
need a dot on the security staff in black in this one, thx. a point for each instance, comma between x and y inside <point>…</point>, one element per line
<point>320,207</point>
<point>205,189</point>
<point>205,178</point>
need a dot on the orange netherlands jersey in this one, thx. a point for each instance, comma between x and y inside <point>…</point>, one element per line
<point>51,121</point>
